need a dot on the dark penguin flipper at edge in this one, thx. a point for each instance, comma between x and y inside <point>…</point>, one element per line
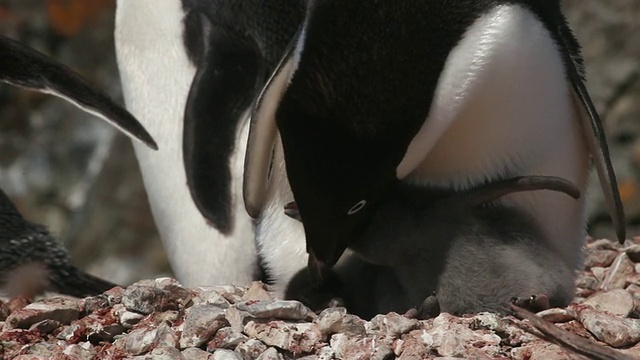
<point>596,141</point>
<point>222,90</point>
<point>25,67</point>
<point>493,191</point>
<point>263,131</point>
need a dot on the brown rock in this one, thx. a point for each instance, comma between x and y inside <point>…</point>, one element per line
<point>270,354</point>
<point>79,352</point>
<point>617,302</point>
<point>352,348</point>
<point>556,315</point>
<point>279,309</point>
<point>393,324</point>
<point>633,252</point>
<point>257,291</point>
<point>148,299</point>
<point>601,258</point>
<point>617,274</point>
<point>608,328</point>
<point>251,349</point>
<point>336,320</point>
<point>226,338</point>
<point>45,326</point>
<point>196,354</point>
<point>298,338</point>
<point>62,310</point>
<point>542,350</point>
<point>226,355</point>
<point>200,324</point>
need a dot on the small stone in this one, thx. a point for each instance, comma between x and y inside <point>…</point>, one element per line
<point>147,299</point>
<point>165,353</point>
<point>126,318</point>
<point>94,303</point>
<point>251,349</point>
<point>326,353</point>
<point>617,275</point>
<point>451,338</point>
<point>4,311</point>
<point>601,258</point>
<point>542,350</point>
<point>176,291</point>
<point>200,324</point>
<point>587,281</point>
<point>298,338</point>
<point>393,324</point>
<point>599,273</point>
<point>617,302</point>
<point>79,352</point>
<point>225,355</point>
<point>17,303</point>
<point>45,326</point>
<point>72,333</point>
<point>114,295</point>
<point>603,244</point>
<point>330,320</point>
<point>336,320</point>
<point>141,340</point>
<point>633,252</point>
<point>196,354</point>
<point>556,315</point>
<point>237,319</point>
<point>279,309</point>
<point>226,338</point>
<point>611,329</point>
<point>62,310</point>
<point>634,290</point>
<point>270,354</point>
<point>209,296</point>
<point>257,292</point>
<point>352,348</point>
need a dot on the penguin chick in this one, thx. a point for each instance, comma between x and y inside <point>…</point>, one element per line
<point>475,254</point>
<point>32,261</point>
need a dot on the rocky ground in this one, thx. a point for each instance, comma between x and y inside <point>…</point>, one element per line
<point>159,319</point>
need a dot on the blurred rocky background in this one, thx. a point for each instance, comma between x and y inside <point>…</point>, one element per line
<point>76,175</point>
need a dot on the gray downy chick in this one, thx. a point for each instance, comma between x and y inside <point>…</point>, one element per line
<point>32,261</point>
<point>473,253</point>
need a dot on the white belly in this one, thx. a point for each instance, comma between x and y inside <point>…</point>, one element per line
<point>156,76</point>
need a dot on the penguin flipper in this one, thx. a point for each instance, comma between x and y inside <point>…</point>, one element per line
<point>222,90</point>
<point>596,142</point>
<point>263,132</point>
<point>25,67</point>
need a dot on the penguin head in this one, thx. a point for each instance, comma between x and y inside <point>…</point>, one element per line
<point>350,109</point>
<point>347,100</point>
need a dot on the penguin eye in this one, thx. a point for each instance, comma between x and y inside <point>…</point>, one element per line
<point>357,207</point>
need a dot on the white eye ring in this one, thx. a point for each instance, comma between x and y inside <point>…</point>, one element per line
<point>357,207</point>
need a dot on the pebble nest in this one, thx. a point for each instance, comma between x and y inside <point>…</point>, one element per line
<point>160,319</point>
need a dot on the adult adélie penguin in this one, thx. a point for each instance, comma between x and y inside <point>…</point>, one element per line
<point>190,70</point>
<point>446,94</point>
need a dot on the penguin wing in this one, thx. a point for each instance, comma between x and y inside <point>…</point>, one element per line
<point>25,67</point>
<point>223,87</point>
<point>596,139</point>
<point>263,132</point>
<point>507,80</point>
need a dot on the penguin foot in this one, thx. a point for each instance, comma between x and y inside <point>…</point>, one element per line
<point>534,303</point>
<point>430,308</point>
